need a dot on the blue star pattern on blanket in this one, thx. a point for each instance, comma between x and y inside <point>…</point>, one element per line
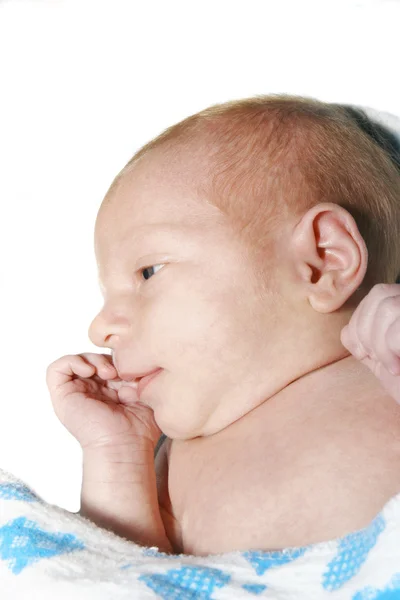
<point>15,491</point>
<point>391,592</point>
<point>23,542</point>
<point>32,530</point>
<point>186,583</point>
<point>352,552</point>
<point>262,561</point>
<point>152,552</point>
<point>254,588</point>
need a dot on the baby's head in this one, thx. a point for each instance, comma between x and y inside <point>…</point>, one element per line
<point>267,220</point>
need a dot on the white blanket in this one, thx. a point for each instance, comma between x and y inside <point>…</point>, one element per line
<point>47,553</point>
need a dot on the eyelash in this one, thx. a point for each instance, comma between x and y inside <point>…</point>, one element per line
<point>145,268</point>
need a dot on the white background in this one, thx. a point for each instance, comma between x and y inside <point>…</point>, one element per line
<point>82,86</point>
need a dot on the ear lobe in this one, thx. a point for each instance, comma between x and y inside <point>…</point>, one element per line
<point>329,255</point>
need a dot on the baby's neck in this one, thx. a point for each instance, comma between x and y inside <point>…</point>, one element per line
<point>313,462</point>
<point>343,389</point>
<point>340,382</point>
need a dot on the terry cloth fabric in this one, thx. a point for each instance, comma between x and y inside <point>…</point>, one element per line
<point>47,552</point>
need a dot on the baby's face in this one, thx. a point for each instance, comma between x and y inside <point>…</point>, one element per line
<point>179,295</point>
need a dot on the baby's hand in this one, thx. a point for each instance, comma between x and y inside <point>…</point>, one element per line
<point>86,395</point>
<point>373,335</point>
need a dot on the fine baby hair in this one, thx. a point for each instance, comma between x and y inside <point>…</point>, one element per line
<point>272,155</point>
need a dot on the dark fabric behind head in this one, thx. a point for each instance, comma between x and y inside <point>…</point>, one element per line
<point>381,135</point>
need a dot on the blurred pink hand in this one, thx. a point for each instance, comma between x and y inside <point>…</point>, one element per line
<point>373,335</point>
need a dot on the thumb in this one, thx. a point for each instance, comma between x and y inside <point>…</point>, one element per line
<point>352,345</point>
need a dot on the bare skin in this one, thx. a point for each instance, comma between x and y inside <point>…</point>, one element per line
<point>279,436</point>
<point>314,463</point>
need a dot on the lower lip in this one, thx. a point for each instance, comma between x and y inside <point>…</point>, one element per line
<point>145,381</point>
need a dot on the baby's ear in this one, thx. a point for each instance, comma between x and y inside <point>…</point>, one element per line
<point>329,256</point>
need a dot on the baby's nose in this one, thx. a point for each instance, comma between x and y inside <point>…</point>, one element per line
<point>107,333</point>
<point>93,333</point>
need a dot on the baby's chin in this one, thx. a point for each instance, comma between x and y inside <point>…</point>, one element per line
<point>174,434</point>
<point>177,429</point>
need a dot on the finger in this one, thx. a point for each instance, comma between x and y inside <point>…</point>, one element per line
<point>349,336</point>
<point>346,339</point>
<point>393,342</point>
<point>367,311</point>
<point>103,363</point>
<point>387,313</point>
<point>373,365</point>
<point>104,374</point>
<point>354,336</point>
<point>62,370</point>
<point>127,395</point>
<point>359,336</point>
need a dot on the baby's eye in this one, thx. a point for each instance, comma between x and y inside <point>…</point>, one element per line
<point>149,269</point>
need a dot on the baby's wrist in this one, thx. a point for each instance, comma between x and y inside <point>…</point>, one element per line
<point>122,463</point>
<point>109,447</point>
<point>119,493</point>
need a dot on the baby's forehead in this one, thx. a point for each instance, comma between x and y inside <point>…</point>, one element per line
<point>159,190</point>
<point>173,166</point>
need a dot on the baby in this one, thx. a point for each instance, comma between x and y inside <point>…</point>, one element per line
<point>239,257</point>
